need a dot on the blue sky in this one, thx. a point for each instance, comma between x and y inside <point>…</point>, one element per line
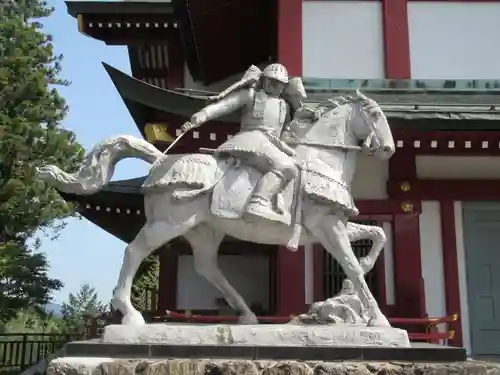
<point>84,253</point>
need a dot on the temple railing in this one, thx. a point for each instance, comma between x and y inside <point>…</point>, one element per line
<point>19,351</point>
<point>438,330</point>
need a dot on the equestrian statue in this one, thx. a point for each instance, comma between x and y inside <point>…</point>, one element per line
<point>284,178</point>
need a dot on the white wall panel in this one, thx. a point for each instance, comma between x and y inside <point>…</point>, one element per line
<point>432,258</point>
<point>454,40</point>
<point>248,274</point>
<point>342,39</point>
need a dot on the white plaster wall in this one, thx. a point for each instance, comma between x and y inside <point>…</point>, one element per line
<point>454,40</point>
<point>462,275</point>
<point>432,258</point>
<point>390,290</point>
<point>458,167</point>
<point>248,274</point>
<point>309,274</point>
<point>342,39</point>
<point>370,178</point>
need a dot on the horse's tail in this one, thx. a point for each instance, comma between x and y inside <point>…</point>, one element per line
<point>99,165</point>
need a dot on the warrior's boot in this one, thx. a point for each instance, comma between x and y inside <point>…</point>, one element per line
<point>261,203</point>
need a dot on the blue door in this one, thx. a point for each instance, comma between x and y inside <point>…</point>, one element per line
<point>482,261</point>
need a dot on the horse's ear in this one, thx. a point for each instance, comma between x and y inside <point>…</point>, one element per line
<point>360,95</point>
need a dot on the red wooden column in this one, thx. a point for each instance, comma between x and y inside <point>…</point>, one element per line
<point>290,283</point>
<point>396,39</point>
<point>410,292</point>
<point>168,256</point>
<point>290,35</point>
<point>175,75</point>
<point>290,265</point>
<point>450,266</point>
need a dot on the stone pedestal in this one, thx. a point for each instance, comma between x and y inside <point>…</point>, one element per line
<point>275,335</point>
<point>103,366</point>
<point>194,349</point>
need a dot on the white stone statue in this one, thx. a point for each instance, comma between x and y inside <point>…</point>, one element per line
<point>264,113</point>
<point>298,180</point>
<point>344,308</point>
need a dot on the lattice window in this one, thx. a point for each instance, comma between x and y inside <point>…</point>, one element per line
<point>333,275</point>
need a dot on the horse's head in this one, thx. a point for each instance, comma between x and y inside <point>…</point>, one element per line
<point>343,121</point>
<point>370,125</point>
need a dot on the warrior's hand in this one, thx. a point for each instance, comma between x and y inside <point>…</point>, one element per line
<point>198,119</point>
<point>287,149</point>
<point>187,126</point>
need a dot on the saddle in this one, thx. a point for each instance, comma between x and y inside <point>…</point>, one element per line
<point>232,193</point>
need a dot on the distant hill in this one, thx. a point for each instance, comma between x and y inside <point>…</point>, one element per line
<point>53,308</point>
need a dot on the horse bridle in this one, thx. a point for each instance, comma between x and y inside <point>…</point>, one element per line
<point>364,148</point>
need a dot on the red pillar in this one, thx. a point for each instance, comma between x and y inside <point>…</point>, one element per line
<point>175,76</point>
<point>290,281</point>
<point>396,39</point>
<point>290,35</point>
<point>167,290</point>
<point>410,292</point>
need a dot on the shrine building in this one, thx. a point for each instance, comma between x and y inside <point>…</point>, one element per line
<point>433,66</point>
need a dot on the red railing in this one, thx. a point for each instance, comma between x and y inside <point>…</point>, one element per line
<point>419,329</point>
<point>429,326</point>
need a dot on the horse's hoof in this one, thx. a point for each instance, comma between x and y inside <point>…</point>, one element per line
<point>133,319</point>
<point>380,321</point>
<point>248,319</point>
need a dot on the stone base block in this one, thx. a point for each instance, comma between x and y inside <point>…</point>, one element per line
<point>107,366</point>
<point>286,335</point>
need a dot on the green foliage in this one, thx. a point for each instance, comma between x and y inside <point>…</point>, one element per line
<point>34,322</point>
<point>31,111</point>
<point>24,280</point>
<point>30,336</point>
<point>145,283</point>
<point>85,302</point>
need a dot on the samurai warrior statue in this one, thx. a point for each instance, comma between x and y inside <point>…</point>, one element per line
<point>260,96</point>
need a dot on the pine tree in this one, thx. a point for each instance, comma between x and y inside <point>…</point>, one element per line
<point>31,111</point>
<point>145,283</point>
<point>84,302</point>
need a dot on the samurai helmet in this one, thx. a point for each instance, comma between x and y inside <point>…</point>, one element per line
<point>277,72</point>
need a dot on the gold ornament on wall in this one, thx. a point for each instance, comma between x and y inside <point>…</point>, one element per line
<point>407,206</point>
<point>405,186</point>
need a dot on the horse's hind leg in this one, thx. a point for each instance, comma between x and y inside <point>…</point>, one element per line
<point>150,237</point>
<point>374,233</point>
<point>205,243</point>
<point>331,231</point>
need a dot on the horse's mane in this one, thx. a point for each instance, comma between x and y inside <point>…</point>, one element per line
<point>337,101</point>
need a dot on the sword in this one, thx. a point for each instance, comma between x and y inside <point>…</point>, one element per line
<point>175,141</point>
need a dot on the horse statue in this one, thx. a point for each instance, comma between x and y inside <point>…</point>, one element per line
<point>202,197</point>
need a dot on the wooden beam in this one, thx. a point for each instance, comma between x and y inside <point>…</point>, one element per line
<point>478,190</point>
<point>448,142</point>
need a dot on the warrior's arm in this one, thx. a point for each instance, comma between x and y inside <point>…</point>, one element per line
<point>225,106</point>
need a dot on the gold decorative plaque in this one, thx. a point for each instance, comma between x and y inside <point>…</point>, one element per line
<point>157,133</point>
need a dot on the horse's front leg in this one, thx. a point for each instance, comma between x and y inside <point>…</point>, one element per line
<point>205,243</point>
<point>331,231</point>
<point>374,233</point>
